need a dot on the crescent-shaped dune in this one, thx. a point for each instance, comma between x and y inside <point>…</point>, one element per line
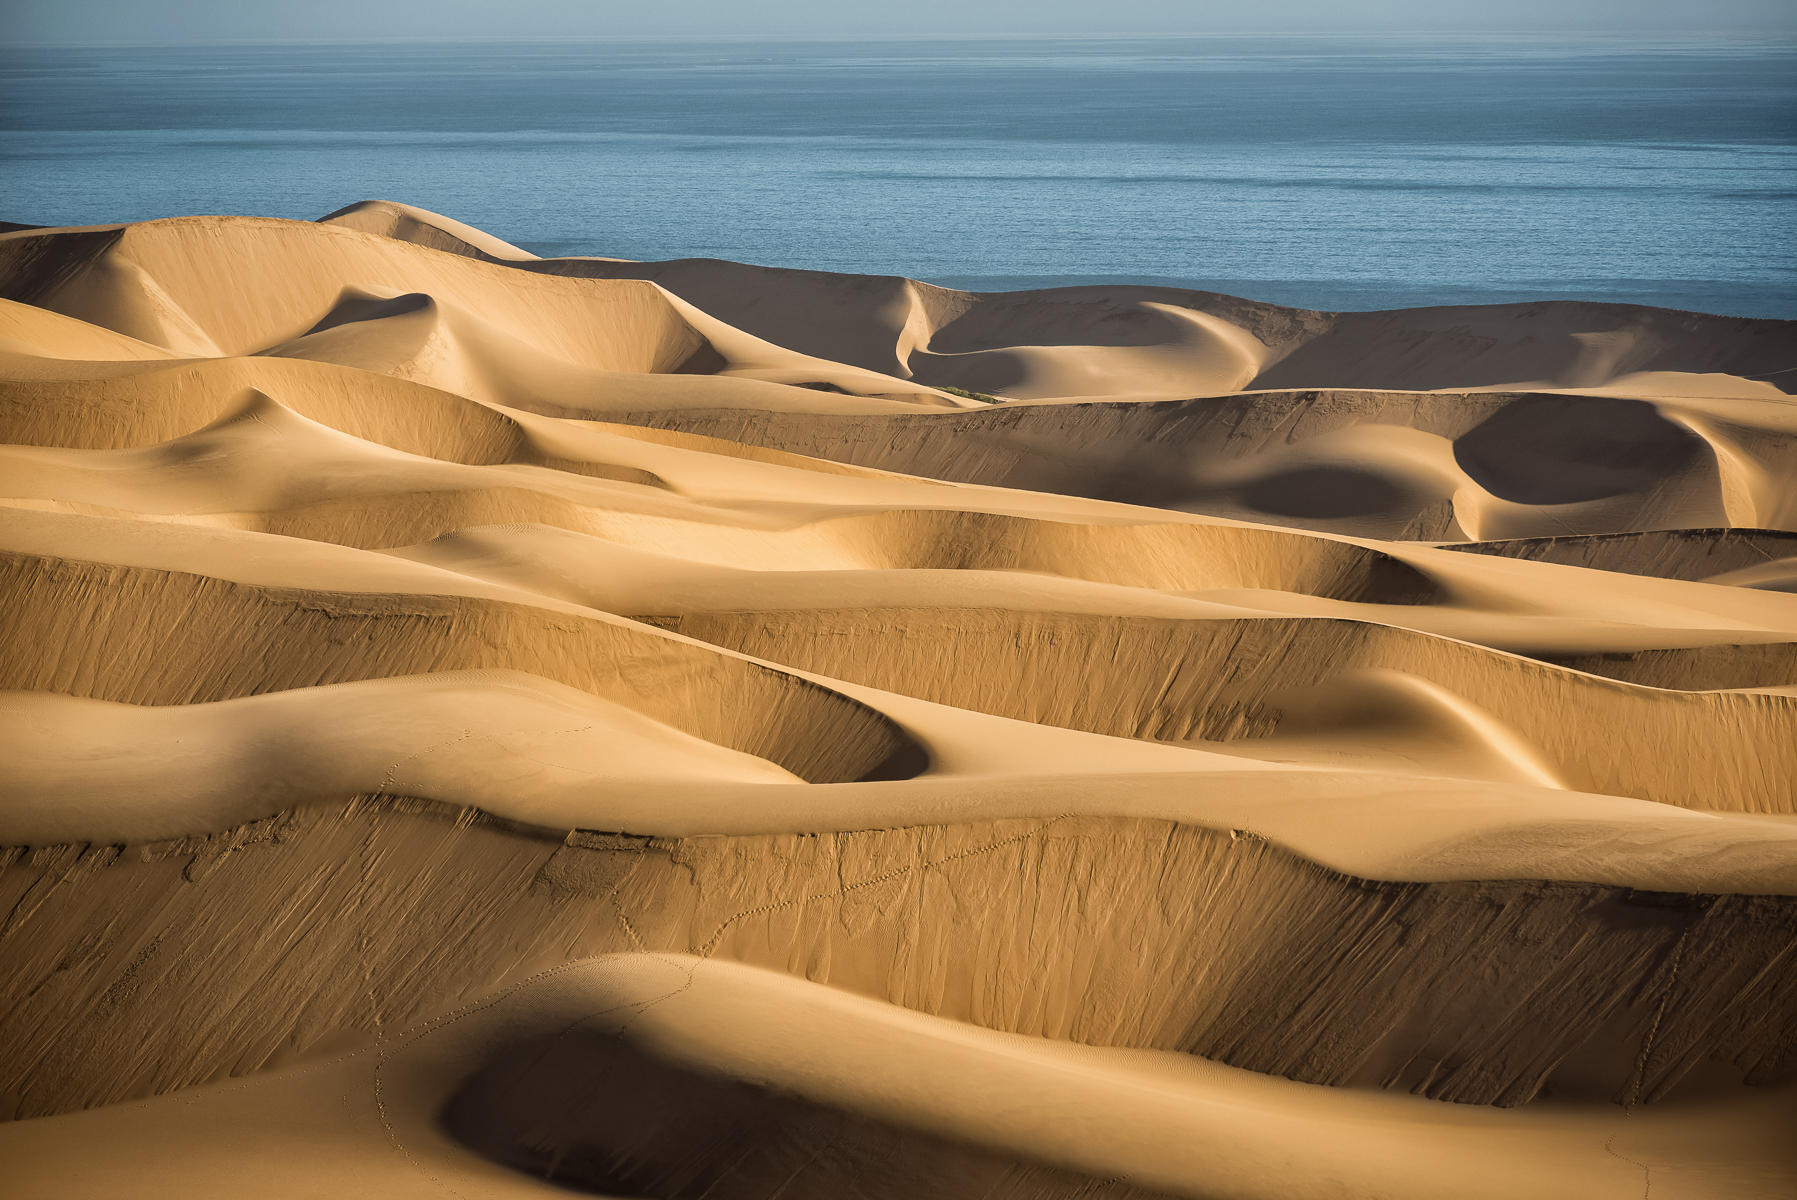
<point>480,724</point>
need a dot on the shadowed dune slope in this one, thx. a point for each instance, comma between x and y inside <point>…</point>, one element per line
<point>874,1102</point>
<point>1185,342</point>
<point>1106,931</point>
<point>1417,465</point>
<point>489,725</point>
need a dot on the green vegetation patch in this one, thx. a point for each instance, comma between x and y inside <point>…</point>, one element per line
<point>982,397</point>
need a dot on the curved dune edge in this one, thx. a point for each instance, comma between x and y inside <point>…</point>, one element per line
<point>409,223</point>
<point>1102,741</point>
<point>1168,680</point>
<point>284,638</point>
<point>538,753</point>
<point>1463,465</point>
<point>509,732</point>
<point>885,318</point>
<point>747,1056</point>
<point>323,925</point>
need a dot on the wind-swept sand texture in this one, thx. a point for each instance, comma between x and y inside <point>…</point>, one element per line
<point>481,725</point>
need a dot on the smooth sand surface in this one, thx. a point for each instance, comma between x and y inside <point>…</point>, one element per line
<point>846,1092</point>
<point>476,724</point>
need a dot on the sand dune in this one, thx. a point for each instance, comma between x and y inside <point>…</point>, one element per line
<point>1487,465</point>
<point>491,724</point>
<point>873,1100</point>
<point>1033,344</point>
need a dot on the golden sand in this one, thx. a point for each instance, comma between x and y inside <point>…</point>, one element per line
<point>479,725</point>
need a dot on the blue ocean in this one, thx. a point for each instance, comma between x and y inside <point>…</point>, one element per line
<point>1344,173</point>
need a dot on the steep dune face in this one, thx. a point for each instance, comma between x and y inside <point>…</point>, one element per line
<point>544,723</point>
<point>1456,466</point>
<point>1563,344</point>
<point>1199,342</point>
<point>407,223</point>
<point>1185,680</point>
<point>195,286</point>
<point>1111,931</point>
<point>876,1101</point>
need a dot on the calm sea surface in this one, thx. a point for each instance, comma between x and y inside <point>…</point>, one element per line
<point>1340,173</point>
